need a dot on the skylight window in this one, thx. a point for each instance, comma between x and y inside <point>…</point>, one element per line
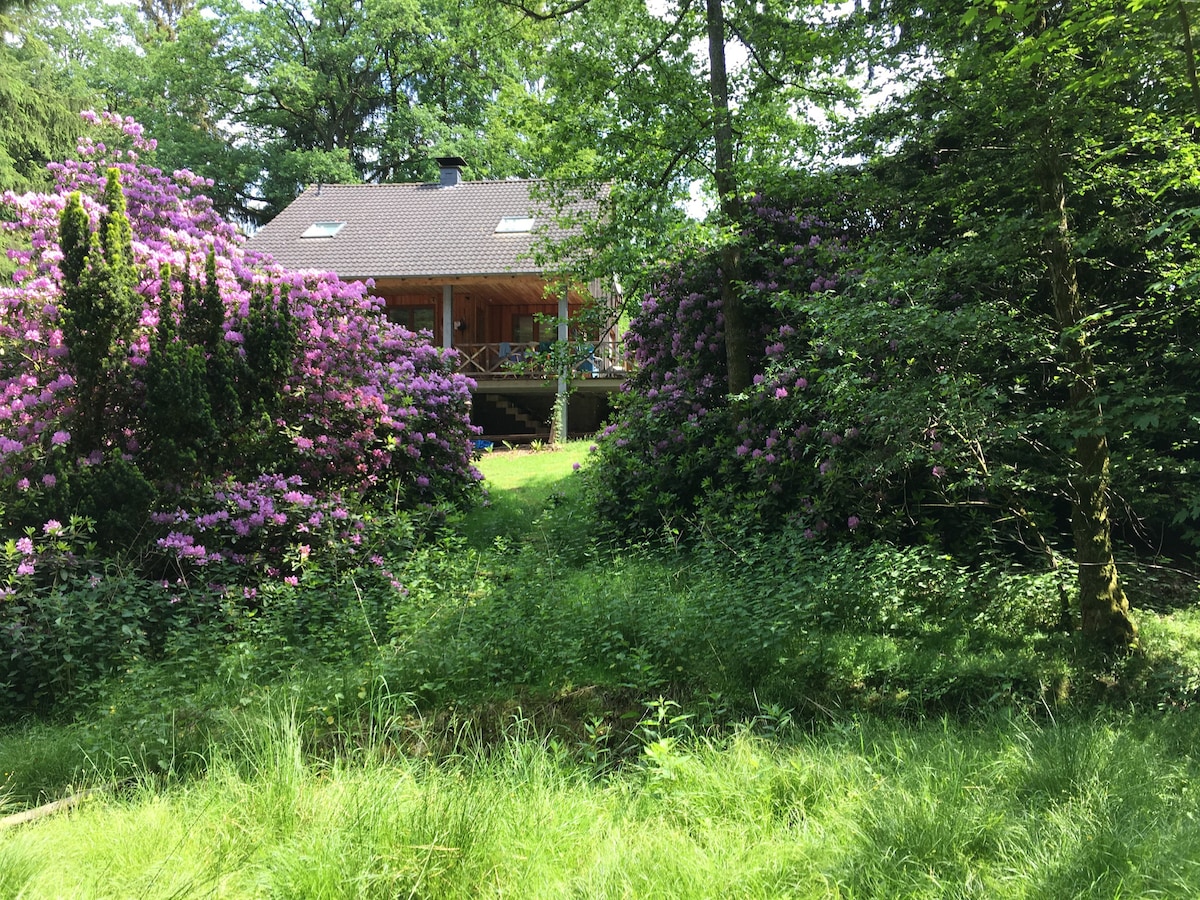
<point>323,229</point>
<point>515,225</point>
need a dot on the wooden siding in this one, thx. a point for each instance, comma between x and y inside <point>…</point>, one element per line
<point>487,320</point>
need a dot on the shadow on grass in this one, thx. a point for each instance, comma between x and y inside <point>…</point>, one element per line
<point>520,486</point>
<point>509,512</point>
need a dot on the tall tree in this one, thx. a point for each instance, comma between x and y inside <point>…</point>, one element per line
<point>167,78</point>
<point>1026,168</point>
<point>1104,609</point>
<point>662,110</point>
<point>737,334</point>
<point>39,104</point>
<point>266,99</point>
<point>348,90</point>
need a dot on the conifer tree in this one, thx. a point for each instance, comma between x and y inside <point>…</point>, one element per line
<point>99,309</point>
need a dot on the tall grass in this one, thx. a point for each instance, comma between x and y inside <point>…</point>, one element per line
<point>999,807</point>
<point>547,714</point>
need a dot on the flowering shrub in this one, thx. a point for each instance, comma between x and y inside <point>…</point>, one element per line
<point>272,524</point>
<point>140,338</point>
<point>861,419</point>
<point>678,445</point>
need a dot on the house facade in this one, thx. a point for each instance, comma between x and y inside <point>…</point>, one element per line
<point>456,258</point>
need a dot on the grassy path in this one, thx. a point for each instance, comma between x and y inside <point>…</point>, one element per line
<point>519,483</point>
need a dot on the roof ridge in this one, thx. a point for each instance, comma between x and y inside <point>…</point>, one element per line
<point>428,184</point>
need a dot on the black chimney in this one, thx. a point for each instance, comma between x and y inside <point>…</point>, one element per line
<point>450,168</point>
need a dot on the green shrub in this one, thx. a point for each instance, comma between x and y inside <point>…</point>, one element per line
<point>68,618</point>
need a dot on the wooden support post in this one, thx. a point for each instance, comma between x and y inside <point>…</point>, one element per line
<point>447,316</point>
<point>560,404</point>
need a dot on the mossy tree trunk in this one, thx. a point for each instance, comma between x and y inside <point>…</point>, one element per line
<point>1103,606</point>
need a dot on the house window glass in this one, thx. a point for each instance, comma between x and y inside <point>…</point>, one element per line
<point>414,318</point>
<point>323,229</point>
<point>526,329</point>
<point>422,318</point>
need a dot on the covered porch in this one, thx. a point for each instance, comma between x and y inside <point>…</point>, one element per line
<point>513,338</point>
<point>538,360</point>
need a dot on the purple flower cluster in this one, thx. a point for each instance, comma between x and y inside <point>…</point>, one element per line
<point>366,404</point>
<point>678,445</point>
<point>39,553</point>
<point>261,524</point>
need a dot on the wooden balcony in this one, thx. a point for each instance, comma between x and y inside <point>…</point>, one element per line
<point>536,362</point>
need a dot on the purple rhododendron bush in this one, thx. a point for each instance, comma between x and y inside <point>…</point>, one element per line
<point>208,417</point>
<point>678,449</point>
<point>854,426</point>
<point>907,408</point>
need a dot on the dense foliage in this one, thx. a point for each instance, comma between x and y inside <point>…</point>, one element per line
<point>678,446</point>
<point>1006,351</point>
<point>39,101</point>
<point>198,407</point>
<point>266,99</point>
<point>893,400</point>
<point>843,429</point>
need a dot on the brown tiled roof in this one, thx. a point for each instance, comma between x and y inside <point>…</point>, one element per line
<point>409,230</point>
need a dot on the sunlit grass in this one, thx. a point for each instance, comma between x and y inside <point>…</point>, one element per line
<point>523,468</point>
<point>1002,806</point>
<point>519,483</point>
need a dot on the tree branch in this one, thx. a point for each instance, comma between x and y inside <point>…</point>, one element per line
<point>670,32</point>
<point>771,76</point>
<point>55,806</point>
<point>539,16</point>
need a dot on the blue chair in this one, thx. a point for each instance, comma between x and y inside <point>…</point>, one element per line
<point>588,365</point>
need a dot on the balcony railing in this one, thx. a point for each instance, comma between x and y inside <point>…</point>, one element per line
<point>605,359</point>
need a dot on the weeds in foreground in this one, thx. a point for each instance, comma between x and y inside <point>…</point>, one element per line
<point>542,713</point>
<point>1001,806</point>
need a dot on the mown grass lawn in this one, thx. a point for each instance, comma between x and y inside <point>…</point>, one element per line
<point>525,733</point>
<point>518,481</point>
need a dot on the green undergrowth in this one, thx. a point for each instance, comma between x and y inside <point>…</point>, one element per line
<point>1002,805</point>
<point>524,707</point>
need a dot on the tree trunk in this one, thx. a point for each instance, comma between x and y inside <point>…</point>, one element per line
<point>737,339</point>
<point>1189,55</point>
<point>1103,607</point>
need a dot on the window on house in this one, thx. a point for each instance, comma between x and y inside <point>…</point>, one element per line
<point>323,229</point>
<point>515,225</point>
<point>525,329</point>
<point>414,318</point>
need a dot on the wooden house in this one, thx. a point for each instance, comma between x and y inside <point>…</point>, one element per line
<point>456,258</point>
